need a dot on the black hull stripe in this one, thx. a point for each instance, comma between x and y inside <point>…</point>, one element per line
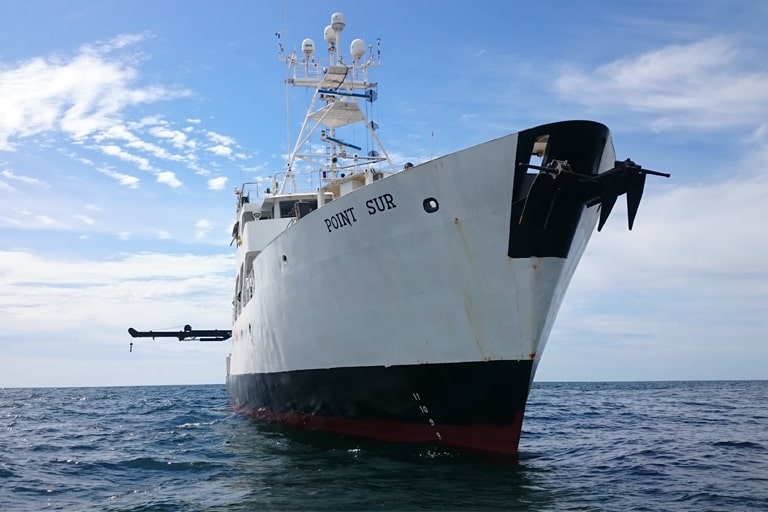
<point>476,405</point>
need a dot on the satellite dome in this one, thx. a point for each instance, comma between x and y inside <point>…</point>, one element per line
<point>308,47</point>
<point>338,22</point>
<point>329,35</point>
<point>357,48</point>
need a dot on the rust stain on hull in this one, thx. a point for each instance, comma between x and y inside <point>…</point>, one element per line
<point>473,327</point>
<point>468,309</point>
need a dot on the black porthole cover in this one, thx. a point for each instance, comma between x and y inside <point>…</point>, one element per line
<point>431,205</point>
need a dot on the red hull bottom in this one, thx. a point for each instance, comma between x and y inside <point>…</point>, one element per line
<point>500,439</point>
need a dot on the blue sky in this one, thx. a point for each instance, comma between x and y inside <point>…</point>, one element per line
<point>125,126</point>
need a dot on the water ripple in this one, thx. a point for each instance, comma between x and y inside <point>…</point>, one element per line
<point>585,446</point>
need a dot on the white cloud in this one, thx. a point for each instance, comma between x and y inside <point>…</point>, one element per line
<point>221,145</point>
<point>115,43</point>
<point>199,170</point>
<point>124,179</point>
<point>150,121</point>
<point>169,178</point>
<point>23,179</point>
<point>45,219</point>
<point>685,236</point>
<point>37,218</point>
<point>85,97</point>
<point>178,138</point>
<point>117,131</point>
<point>220,139</point>
<point>665,300</point>
<point>77,96</point>
<point>203,227</point>
<point>154,150</point>
<point>707,84</point>
<point>88,305</point>
<point>220,150</point>
<point>116,151</point>
<point>217,183</point>
<point>84,219</point>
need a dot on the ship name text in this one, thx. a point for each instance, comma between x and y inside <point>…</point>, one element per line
<point>347,217</point>
<point>380,203</point>
<point>341,219</point>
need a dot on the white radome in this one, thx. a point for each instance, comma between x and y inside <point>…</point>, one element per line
<point>338,22</point>
<point>329,35</point>
<point>357,48</point>
<point>308,47</point>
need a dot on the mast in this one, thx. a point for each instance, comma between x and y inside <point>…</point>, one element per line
<point>341,94</point>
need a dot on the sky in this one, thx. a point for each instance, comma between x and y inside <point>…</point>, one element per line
<point>126,125</point>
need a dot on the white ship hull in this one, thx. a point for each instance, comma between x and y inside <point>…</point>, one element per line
<point>374,280</point>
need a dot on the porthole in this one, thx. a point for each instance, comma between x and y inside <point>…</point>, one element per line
<point>431,205</point>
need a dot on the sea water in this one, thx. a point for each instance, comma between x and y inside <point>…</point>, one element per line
<point>585,446</point>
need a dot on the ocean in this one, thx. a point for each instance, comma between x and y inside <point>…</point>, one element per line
<point>652,446</point>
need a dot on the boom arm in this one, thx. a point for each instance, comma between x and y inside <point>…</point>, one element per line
<point>187,334</point>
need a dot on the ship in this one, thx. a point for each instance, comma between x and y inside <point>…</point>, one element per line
<point>406,302</point>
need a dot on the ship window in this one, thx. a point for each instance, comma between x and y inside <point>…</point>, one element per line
<point>250,216</point>
<point>539,152</point>
<point>290,208</point>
